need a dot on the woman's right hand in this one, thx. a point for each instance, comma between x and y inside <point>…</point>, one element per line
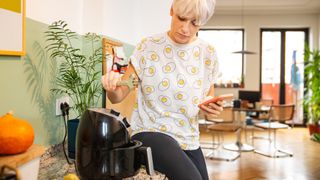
<point>110,80</point>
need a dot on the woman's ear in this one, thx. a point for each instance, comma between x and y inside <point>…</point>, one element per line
<point>171,11</point>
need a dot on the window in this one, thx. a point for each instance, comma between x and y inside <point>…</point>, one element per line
<point>225,42</point>
<point>282,67</point>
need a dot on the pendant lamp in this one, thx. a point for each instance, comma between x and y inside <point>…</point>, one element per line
<point>243,51</point>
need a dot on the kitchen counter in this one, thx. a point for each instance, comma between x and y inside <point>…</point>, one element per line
<point>53,165</point>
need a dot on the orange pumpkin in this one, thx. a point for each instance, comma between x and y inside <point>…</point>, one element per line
<point>16,135</point>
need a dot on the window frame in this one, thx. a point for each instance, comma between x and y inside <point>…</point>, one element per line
<point>242,44</point>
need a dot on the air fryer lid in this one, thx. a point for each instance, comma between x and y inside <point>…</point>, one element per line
<point>103,129</point>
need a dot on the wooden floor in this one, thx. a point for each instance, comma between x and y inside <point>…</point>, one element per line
<point>304,165</point>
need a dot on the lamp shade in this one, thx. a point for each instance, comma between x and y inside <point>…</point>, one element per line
<point>243,52</point>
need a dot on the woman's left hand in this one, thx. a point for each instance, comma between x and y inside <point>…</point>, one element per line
<point>212,109</point>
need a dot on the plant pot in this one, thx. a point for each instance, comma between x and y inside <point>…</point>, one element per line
<point>313,128</point>
<point>236,85</point>
<point>72,134</point>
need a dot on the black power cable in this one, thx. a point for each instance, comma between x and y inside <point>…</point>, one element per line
<point>65,114</point>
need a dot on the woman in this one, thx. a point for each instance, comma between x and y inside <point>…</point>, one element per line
<point>176,71</point>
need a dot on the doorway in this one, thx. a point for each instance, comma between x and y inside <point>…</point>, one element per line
<point>282,67</point>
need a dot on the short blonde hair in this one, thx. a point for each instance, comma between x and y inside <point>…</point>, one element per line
<point>202,9</point>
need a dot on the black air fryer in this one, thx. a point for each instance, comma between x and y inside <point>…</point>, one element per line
<point>104,149</point>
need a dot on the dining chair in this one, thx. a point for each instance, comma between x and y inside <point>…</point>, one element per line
<point>223,123</point>
<point>264,104</point>
<point>278,114</point>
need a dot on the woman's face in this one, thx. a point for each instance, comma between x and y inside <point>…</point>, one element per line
<point>183,29</point>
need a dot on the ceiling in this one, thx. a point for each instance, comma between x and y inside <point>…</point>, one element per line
<point>268,7</point>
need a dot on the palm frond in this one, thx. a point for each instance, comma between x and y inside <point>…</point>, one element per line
<point>78,74</point>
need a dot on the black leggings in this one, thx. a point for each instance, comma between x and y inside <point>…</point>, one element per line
<point>171,160</point>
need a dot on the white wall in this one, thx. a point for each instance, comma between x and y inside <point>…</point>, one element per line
<point>130,21</point>
<point>125,20</point>
<point>118,19</point>
<point>48,11</point>
<point>93,16</point>
<point>153,16</point>
<point>252,25</point>
<point>81,15</point>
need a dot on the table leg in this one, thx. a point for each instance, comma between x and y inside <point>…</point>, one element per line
<point>238,146</point>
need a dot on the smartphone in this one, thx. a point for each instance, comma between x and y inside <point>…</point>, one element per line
<point>216,99</point>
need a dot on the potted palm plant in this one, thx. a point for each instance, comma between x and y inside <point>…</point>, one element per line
<point>312,95</point>
<point>79,70</point>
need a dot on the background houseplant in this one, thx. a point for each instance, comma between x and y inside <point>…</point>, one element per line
<point>79,71</point>
<point>312,92</point>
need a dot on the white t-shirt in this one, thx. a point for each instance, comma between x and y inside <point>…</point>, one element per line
<point>174,79</point>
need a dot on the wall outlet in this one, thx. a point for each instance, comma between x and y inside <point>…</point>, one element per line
<point>58,102</point>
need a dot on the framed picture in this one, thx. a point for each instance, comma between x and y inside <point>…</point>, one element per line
<point>12,34</point>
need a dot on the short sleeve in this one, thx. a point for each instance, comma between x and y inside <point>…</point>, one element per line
<point>137,59</point>
<point>212,64</point>
<point>215,69</point>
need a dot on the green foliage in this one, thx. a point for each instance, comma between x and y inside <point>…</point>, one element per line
<point>78,73</point>
<point>312,79</point>
<point>315,137</point>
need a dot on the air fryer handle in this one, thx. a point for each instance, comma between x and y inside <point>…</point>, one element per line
<point>147,156</point>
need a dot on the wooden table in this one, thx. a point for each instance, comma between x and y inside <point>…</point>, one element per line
<point>251,110</point>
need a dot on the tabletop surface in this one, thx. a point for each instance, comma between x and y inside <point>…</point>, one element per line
<point>250,109</point>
